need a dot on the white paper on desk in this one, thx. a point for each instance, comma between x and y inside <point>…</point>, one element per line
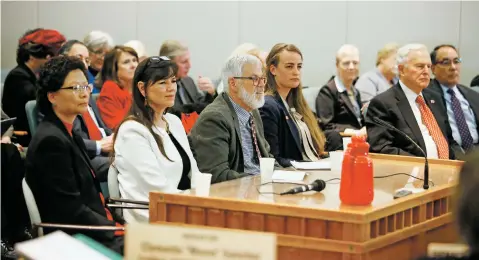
<point>319,165</point>
<point>46,247</point>
<point>349,131</point>
<point>288,175</point>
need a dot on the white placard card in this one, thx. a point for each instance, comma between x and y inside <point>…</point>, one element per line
<point>168,242</point>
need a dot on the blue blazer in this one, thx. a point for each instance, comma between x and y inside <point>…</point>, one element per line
<point>280,131</point>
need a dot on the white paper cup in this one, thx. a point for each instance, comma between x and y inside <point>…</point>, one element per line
<point>336,159</point>
<point>346,141</point>
<point>202,183</point>
<point>267,167</point>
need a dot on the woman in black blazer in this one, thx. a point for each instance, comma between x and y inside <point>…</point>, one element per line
<point>285,110</point>
<point>58,169</point>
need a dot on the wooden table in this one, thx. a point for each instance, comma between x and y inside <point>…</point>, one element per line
<point>316,225</point>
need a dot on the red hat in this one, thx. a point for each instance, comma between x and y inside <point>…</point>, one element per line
<point>49,38</point>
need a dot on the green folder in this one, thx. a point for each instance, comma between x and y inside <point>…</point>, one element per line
<point>98,247</point>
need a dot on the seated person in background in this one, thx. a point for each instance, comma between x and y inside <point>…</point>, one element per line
<point>461,102</point>
<point>411,108</point>
<point>151,148</point>
<point>290,126</point>
<point>139,48</point>
<point>34,49</point>
<point>228,137</point>
<point>58,169</point>
<point>339,103</point>
<point>475,81</point>
<point>116,79</point>
<point>99,44</point>
<point>189,97</point>
<point>89,125</point>
<point>381,78</point>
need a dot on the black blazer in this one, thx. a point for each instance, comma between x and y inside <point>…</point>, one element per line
<point>20,87</point>
<point>393,107</point>
<point>79,126</point>
<point>280,131</point>
<point>335,110</point>
<point>470,95</point>
<point>195,100</point>
<point>475,81</point>
<point>60,175</point>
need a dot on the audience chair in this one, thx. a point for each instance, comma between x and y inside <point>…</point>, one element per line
<point>36,221</point>
<point>310,94</point>
<point>32,116</point>
<point>114,190</point>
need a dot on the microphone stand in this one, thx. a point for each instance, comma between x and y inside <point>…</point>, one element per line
<point>426,164</point>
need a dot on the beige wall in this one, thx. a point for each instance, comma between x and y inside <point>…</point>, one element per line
<point>214,29</point>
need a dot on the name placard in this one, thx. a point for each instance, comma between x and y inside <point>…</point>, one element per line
<point>145,241</point>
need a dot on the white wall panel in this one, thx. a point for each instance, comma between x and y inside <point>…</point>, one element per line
<point>76,18</point>
<point>469,47</point>
<point>17,18</point>
<point>317,28</point>
<point>210,29</point>
<point>373,24</point>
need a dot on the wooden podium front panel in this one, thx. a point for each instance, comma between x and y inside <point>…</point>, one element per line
<point>317,224</point>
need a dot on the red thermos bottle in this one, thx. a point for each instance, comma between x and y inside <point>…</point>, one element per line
<point>357,182</point>
<point>346,170</point>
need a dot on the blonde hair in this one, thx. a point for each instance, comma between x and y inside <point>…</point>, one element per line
<point>138,46</point>
<point>386,51</point>
<point>243,48</point>
<point>172,49</point>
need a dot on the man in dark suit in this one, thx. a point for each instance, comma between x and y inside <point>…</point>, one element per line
<point>228,137</point>
<point>34,49</point>
<point>338,104</point>
<point>414,110</point>
<point>462,103</point>
<point>189,97</point>
<point>96,135</point>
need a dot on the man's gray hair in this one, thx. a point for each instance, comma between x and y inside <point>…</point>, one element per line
<point>404,51</point>
<point>95,40</point>
<point>234,67</point>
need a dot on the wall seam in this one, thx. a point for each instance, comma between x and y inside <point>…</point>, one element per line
<point>460,26</point>
<point>347,23</point>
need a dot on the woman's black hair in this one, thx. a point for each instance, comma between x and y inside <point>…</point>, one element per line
<point>148,71</point>
<point>52,77</point>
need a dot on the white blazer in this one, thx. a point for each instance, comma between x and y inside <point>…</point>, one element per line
<point>141,166</point>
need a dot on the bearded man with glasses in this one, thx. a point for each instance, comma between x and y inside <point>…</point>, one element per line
<point>228,137</point>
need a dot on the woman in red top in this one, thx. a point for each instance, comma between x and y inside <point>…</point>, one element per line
<point>116,81</point>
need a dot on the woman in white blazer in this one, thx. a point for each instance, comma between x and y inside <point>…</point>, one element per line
<point>151,149</point>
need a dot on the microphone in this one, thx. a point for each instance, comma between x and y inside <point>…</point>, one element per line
<point>317,185</point>
<point>426,164</point>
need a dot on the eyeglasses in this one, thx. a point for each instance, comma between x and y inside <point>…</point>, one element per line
<point>256,80</point>
<point>151,60</point>
<point>448,62</point>
<point>78,89</point>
